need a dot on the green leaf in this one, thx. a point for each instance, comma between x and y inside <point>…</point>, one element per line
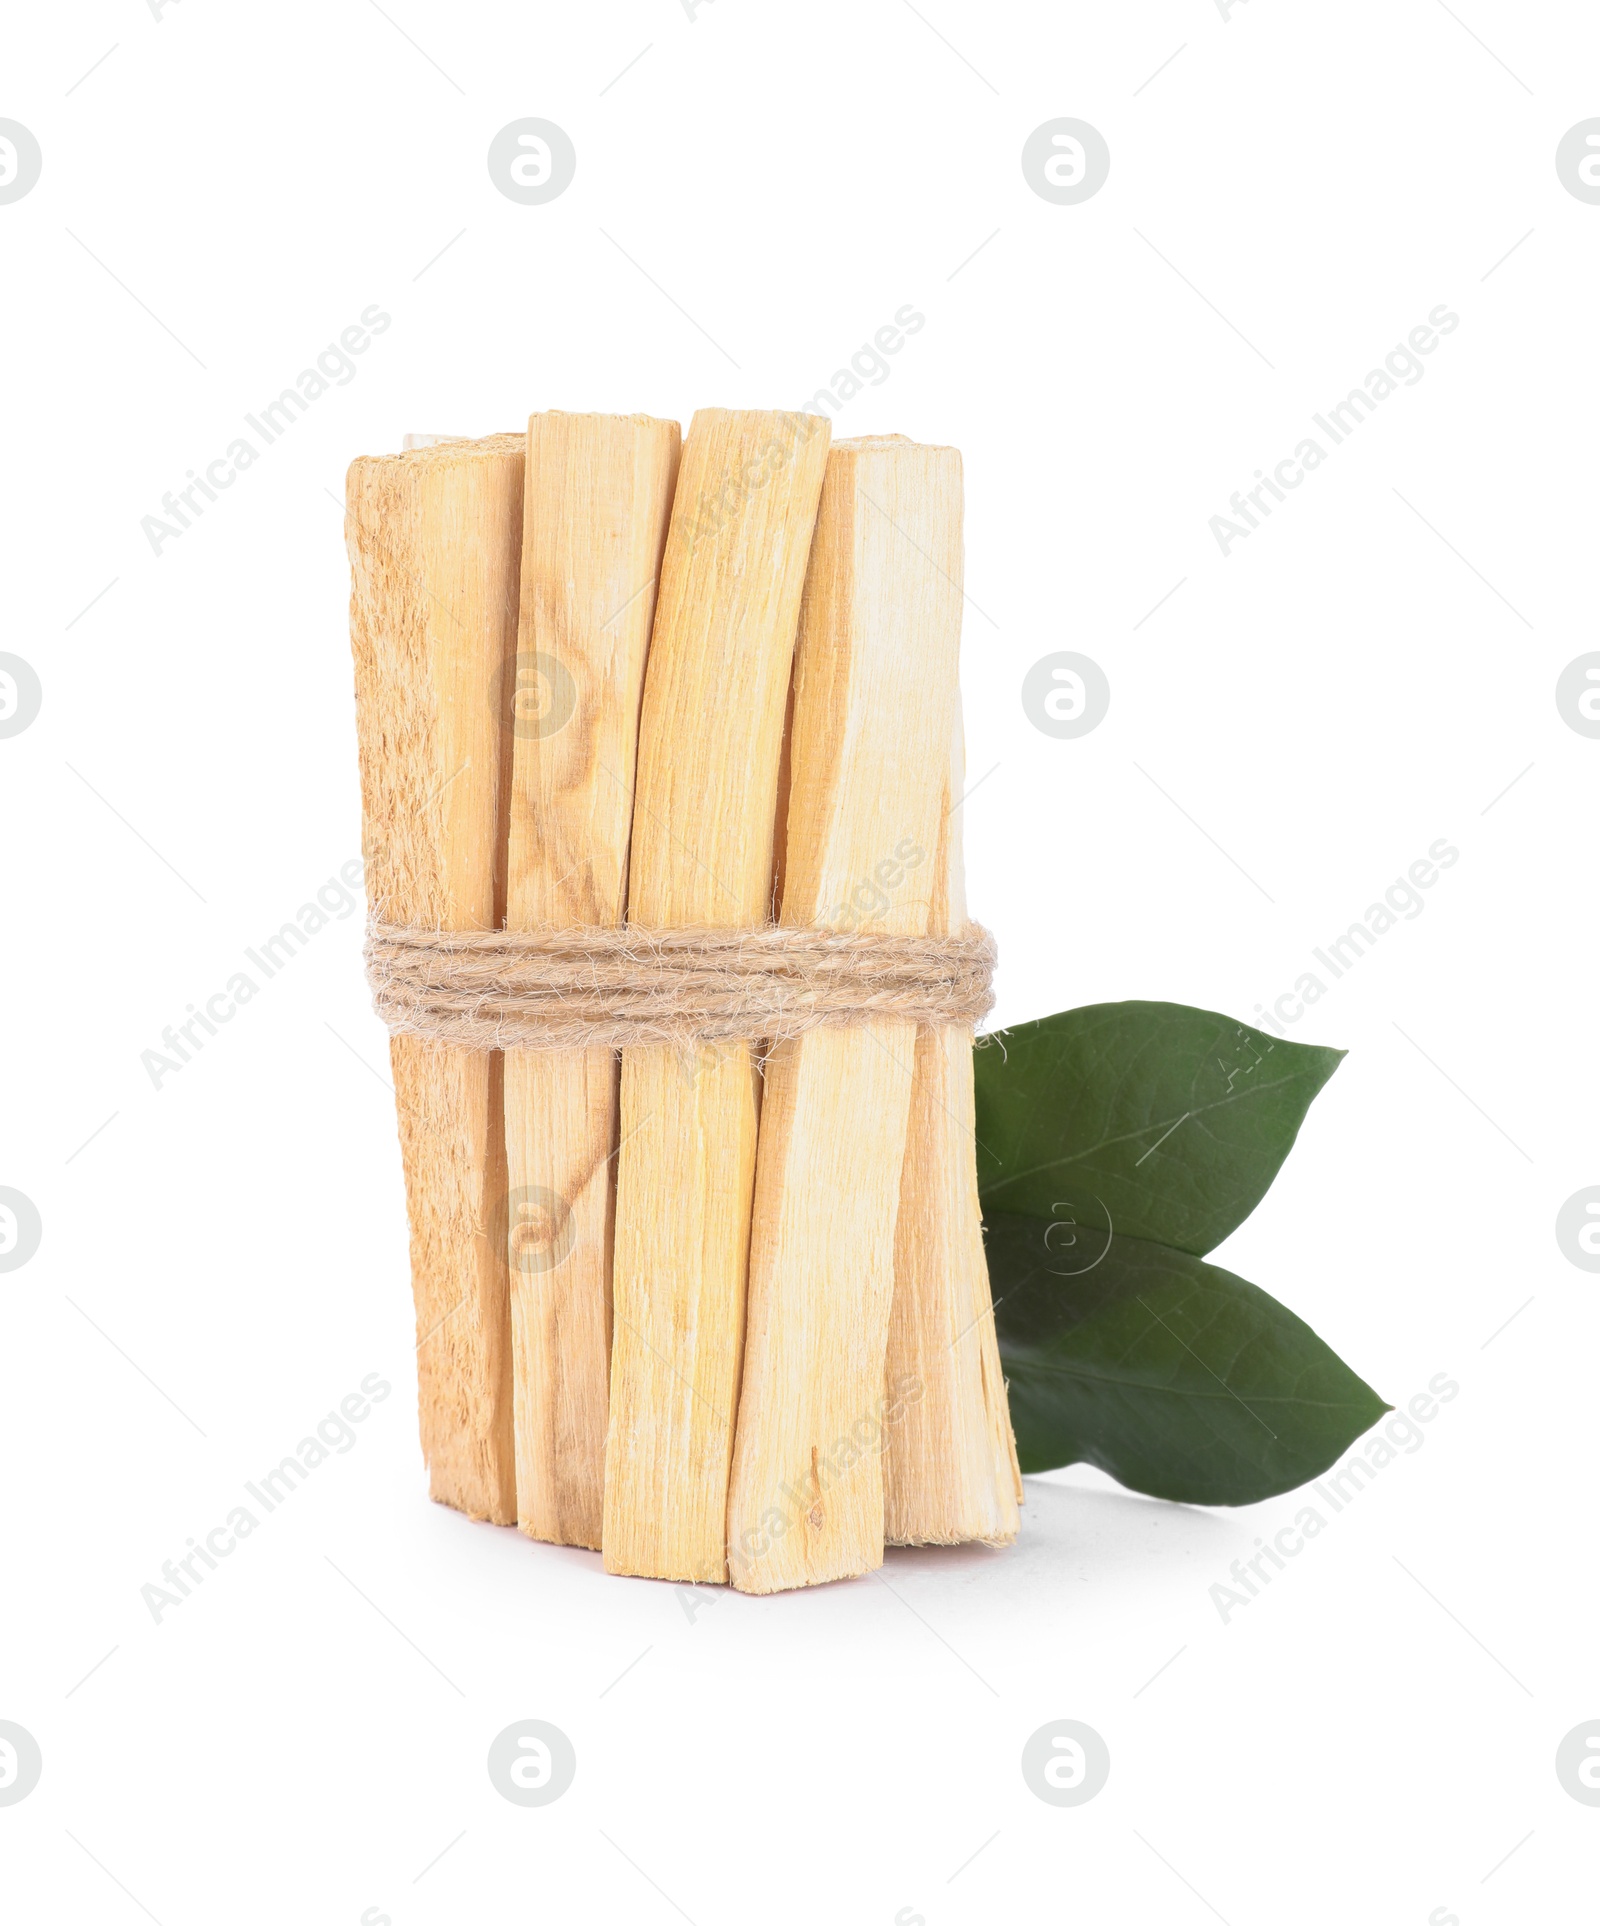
<point>1175,1376</point>
<point>1149,1119</point>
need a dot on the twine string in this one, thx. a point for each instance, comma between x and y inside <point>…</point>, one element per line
<point>584,989</point>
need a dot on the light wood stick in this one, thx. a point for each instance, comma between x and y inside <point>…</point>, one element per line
<point>874,693</point>
<point>434,538</point>
<point>704,812</point>
<point>950,1470</point>
<point>598,495</point>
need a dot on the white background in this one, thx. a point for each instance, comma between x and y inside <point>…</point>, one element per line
<point>1288,731</point>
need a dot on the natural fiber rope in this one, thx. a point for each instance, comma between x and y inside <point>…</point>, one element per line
<point>608,988</point>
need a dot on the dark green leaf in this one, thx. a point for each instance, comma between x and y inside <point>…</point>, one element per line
<point>1174,1375</point>
<point>1147,1118</point>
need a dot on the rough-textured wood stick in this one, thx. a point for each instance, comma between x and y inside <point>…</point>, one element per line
<point>435,538</point>
<point>875,690</point>
<point>705,805</point>
<point>950,1470</point>
<point>598,495</point>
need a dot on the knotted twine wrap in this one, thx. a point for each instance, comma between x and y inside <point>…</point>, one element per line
<point>587,989</point>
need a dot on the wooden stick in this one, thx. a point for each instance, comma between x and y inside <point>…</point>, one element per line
<point>950,1471</point>
<point>875,689</point>
<point>434,539</point>
<point>598,495</point>
<point>704,812</point>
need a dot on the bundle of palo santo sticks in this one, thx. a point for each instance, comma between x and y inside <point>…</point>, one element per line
<point>715,1305</point>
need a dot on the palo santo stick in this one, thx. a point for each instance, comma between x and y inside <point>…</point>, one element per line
<point>704,810</point>
<point>598,494</point>
<point>950,1471</point>
<point>874,693</point>
<point>434,538</point>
